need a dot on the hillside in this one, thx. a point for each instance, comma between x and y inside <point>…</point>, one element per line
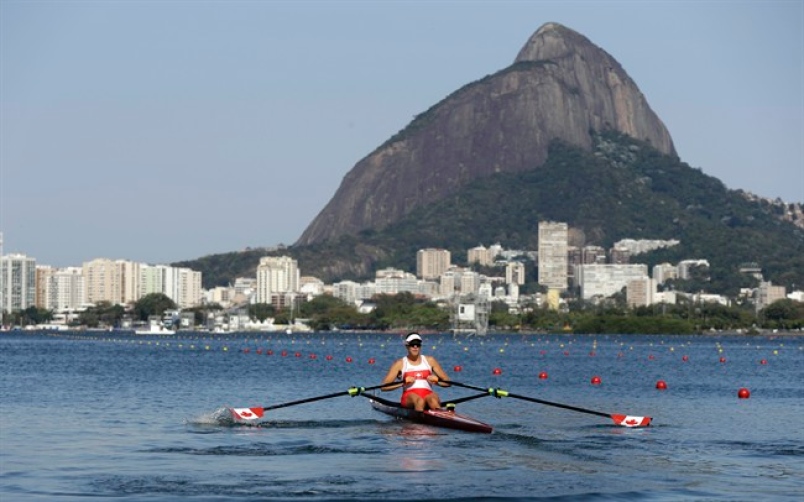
<point>623,188</point>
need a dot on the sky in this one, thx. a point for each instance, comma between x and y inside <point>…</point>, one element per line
<point>161,131</point>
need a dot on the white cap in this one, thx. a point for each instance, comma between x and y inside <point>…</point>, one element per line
<point>411,337</point>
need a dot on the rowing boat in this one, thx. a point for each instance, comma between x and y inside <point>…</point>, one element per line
<point>439,418</point>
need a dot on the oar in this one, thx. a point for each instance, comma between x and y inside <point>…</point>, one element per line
<point>453,402</point>
<point>250,415</point>
<point>624,420</point>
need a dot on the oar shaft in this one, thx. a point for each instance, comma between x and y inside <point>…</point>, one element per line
<point>559,405</point>
<point>303,401</point>
<point>351,392</point>
<point>502,393</point>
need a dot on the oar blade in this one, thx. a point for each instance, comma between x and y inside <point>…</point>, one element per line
<point>631,421</point>
<point>247,416</point>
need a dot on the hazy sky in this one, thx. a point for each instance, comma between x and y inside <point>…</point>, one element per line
<point>159,131</point>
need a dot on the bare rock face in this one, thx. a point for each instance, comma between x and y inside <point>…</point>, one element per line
<point>561,86</point>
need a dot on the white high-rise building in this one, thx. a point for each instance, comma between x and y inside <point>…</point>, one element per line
<point>553,244</point>
<point>18,280</point>
<point>276,275</point>
<point>182,285</point>
<point>62,288</point>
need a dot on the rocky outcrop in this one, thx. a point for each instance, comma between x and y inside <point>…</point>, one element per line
<point>561,86</point>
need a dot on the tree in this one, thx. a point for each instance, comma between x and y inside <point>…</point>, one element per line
<point>261,311</point>
<point>784,314</point>
<point>152,304</point>
<point>102,314</point>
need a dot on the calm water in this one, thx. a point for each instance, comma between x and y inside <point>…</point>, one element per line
<point>111,416</point>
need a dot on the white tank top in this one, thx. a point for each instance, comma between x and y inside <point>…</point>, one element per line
<point>420,371</point>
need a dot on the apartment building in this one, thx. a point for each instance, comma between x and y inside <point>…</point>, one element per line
<point>515,273</point>
<point>663,272</point>
<point>604,280</point>
<point>431,263</point>
<point>60,289</point>
<point>767,293</point>
<point>553,245</point>
<point>481,255</point>
<point>103,280</point>
<point>640,292</point>
<point>17,282</point>
<point>276,275</point>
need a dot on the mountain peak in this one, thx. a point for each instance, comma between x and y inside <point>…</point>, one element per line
<point>551,41</point>
<point>560,87</point>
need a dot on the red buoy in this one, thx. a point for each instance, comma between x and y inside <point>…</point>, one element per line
<point>596,380</point>
<point>298,354</point>
<point>764,361</point>
<point>651,357</point>
<point>259,351</point>
<point>685,358</point>
<point>743,393</point>
<point>371,361</point>
<point>722,359</point>
<point>457,369</point>
<point>661,385</point>
<point>543,375</point>
<point>269,352</point>
<point>348,359</point>
<point>329,357</point>
<point>497,371</point>
<point>313,356</point>
<point>284,353</point>
<point>592,354</point>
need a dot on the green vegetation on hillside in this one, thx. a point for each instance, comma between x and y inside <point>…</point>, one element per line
<point>623,189</point>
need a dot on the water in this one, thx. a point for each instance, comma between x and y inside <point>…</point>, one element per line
<point>108,416</point>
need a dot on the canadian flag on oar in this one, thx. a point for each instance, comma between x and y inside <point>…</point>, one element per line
<point>246,413</point>
<point>631,421</point>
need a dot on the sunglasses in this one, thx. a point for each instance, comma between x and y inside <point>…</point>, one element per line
<point>415,344</point>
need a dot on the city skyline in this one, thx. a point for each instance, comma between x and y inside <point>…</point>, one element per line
<point>169,131</point>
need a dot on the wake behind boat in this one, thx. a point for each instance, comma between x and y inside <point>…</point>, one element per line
<point>439,418</point>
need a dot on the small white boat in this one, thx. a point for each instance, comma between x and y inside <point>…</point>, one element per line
<point>155,330</point>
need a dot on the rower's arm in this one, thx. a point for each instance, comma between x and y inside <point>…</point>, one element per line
<point>443,378</point>
<point>391,376</point>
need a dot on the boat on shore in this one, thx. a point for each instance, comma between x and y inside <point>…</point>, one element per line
<point>438,418</point>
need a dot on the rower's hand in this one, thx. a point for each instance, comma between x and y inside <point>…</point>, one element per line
<point>409,380</point>
<point>432,379</point>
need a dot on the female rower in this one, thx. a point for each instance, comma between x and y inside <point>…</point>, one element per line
<point>418,373</point>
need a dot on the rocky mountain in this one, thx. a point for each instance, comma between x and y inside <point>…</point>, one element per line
<point>560,87</point>
<point>562,134</point>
